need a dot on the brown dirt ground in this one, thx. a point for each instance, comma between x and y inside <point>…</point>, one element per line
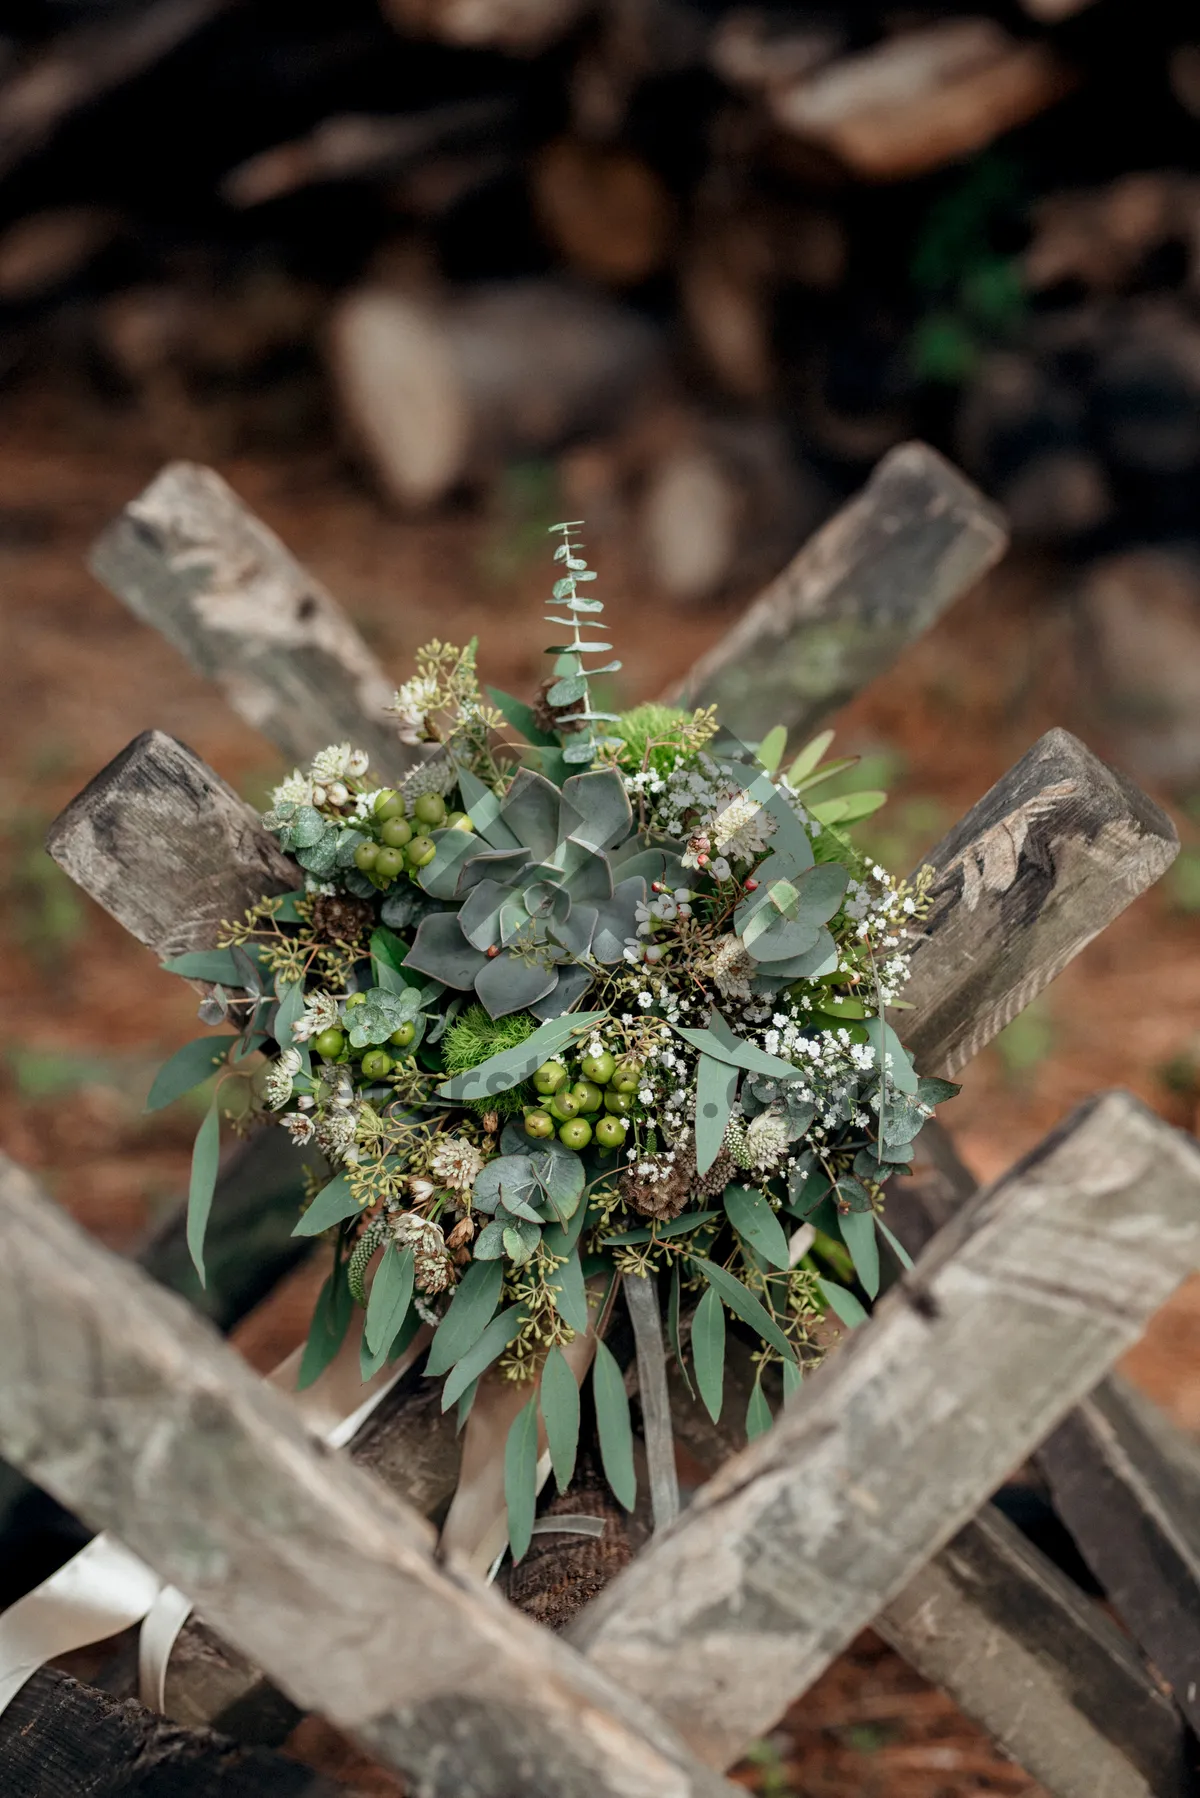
<point>89,1015</point>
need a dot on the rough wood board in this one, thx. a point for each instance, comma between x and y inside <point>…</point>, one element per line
<point>166,847</point>
<point>1047,859</point>
<point>868,584</point>
<point>60,1739</point>
<point>1011,1318</point>
<point>190,559</point>
<point>1127,1485</point>
<point>125,1405</point>
<point>1013,1641</point>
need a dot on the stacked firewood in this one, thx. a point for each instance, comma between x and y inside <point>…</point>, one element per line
<point>737,251</point>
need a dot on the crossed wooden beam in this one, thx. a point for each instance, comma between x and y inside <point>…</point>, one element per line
<point>131,1412</point>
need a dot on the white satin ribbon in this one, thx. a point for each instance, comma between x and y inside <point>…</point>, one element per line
<point>105,1589</point>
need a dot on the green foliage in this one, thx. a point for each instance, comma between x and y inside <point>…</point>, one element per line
<point>520,1476</point>
<point>205,1158</point>
<point>613,1426</point>
<point>560,1414</point>
<point>330,1321</point>
<point>468,1315</point>
<point>474,1037</point>
<point>653,735</point>
<point>708,1352</point>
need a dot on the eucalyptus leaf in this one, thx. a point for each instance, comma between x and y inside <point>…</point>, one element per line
<point>570,1294</point>
<point>380,1014</point>
<point>674,1335</point>
<point>901,1253</point>
<point>858,1234</point>
<point>758,1413</point>
<point>332,1204</point>
<point>288,1015</point>
<point>716,1089</point>
<point>560,1414</point>
<point>744,1305</point>
<point>613,1426</point>
<point>467,1315</point>
<point>206,1154</point>
<point>491,1344</point>
<point>676,1226</point>
<point>793,1379</point>
<point>327,1331</point>
<point>391,1296</point>
<point>520,1476</point>
<point>708,1352</point>
<point>757,1224</point>
<point>217,965</point>
<point>489,1244</point>
<point>842,1303</point>
<point>883,1039</point>
<point>188,1068</point>
<point>520,1240</point>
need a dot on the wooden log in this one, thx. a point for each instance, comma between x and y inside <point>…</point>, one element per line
<point>605,211</point>
<point>356,146</point>
<point>437,392</point>
<point>80,66</point>
<point>1021,1650</point>
<point>190,559</point>
<point>722,504</point>
<point>1012,1316</point>
<point>124,1405</point>
<point>166,847</point>
<point>1050,855</point>
<point>520,27</point>
<point>1127,1485</point>
<point>869,583</point>
<point>61,1739</point>
<point>922,98</point>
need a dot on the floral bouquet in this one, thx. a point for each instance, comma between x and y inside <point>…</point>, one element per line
<point>586,1001</point>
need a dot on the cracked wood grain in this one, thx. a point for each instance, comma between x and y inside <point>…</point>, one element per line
<point>1047,859</point>
<point>127,1407</point>
<point>868,584</point>
<point>167,847</point>
<point>188,557</point>
<point>1010,1319</point>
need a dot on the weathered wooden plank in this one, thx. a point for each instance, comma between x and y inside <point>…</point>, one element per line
<point>1127,1485</point>
<point>868,584</point>
<point>1012,1316</point>
<point>121,1402</point>
<point>167,847</point>
<point>1047,859</point>
<point>190,559</point>
<point>1024,1652</point>
<point>975,1615</point>
<point>61,1739</point>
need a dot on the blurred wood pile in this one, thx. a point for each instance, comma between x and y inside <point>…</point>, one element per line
<point>712,259</point>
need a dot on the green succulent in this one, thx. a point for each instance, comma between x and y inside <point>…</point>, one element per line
<point>537,903</point>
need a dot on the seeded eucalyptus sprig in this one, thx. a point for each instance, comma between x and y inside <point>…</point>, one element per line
<point>582,746</point>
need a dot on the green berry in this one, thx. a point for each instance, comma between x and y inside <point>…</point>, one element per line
<point>376,1064</point>
<point>396,832</point>
<point>598,1068</point>
<point>388,863</point>
<point>356,999</point>
<point>550,1076</point>
<point>619,1103</point>
<point>459,821</point>
<point>402,1037</point>
<point>610,1132</point>
<point>420,852</point>
<point>563,1105</point>
<point>589,1095</point>
<point>329,1044</point>
<point>365,856</point>
<point>539,1123</point>
<point>430,808</point>
<point>626,1077</point>
<point>388,805</point>
<point>576,1133</point>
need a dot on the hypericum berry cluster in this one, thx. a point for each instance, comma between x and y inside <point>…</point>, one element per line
<point>397,839</point>
<point>593,1107</point>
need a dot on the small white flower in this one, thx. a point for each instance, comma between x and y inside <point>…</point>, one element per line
<point>358,763</point>
<point>299,1126</point>
<point>331,764</point>
<point>320,1013</point>
<point>719,868</point>
<point>733,968</point>
<point>411,707</point>
<point>339,792</point>
<point>279,1079</point>
<point>295,790</point>
<point>456,1163</point>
